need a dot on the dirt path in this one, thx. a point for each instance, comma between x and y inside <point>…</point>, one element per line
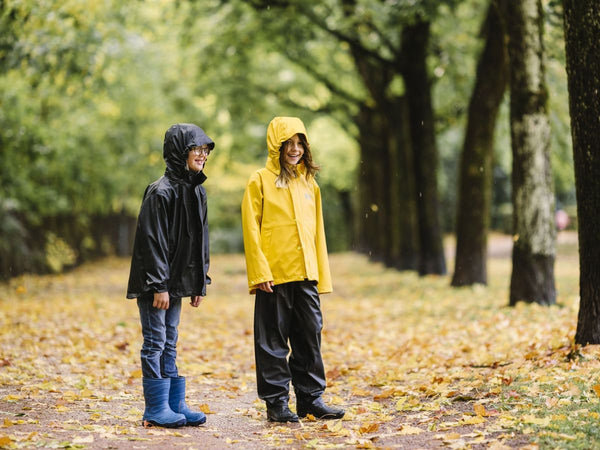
<point>69,364</point>
<point>234,422</point>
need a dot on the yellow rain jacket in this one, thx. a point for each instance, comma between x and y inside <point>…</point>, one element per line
<point>284,236</point>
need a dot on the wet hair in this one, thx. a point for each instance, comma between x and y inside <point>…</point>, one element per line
<point>287,172</point>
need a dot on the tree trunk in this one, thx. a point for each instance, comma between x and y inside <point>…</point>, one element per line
<point>367,225</point>
<point>418,92</point>
<point>475,185</point>
<point>348,215</point>
<point>373,126</point>
<point>534,247</point>
<point>582,43</point>
<point>403,210</point>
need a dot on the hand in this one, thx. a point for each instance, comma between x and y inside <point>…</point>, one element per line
<point>195,300</point>
<point>267,286</point>
<point>161,300</point>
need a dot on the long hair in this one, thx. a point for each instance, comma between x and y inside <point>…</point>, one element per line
<point>288,172</point>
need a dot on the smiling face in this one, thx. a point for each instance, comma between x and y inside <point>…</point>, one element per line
<point>293,151</point>
<point>197,158</point>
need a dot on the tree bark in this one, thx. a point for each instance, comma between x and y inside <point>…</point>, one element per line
<point>418,92</point>
<point>475,178</point>
<point>366,224</point>
<point>373,183</point>
<point>582,44</point>
<point>404,221</point>
<point>534,248</point>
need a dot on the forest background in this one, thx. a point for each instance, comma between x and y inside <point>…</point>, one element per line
<point>396,95</point>
<point>88,89</point>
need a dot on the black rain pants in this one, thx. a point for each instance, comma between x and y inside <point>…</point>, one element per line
<point>292,312</point>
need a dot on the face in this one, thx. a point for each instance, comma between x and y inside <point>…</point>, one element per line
<point>293,150</point>
<point>197,158</point>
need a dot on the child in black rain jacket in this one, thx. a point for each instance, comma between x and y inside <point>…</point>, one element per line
<point>170,261</point>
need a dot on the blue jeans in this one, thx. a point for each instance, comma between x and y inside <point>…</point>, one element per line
<point>159,330</point>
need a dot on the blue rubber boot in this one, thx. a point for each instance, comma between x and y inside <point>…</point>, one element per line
<point>158,412</point>
<point>177,403</point>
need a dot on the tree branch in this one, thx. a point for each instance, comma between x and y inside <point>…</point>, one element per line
<point>337,90</point>
<point>318,21</point>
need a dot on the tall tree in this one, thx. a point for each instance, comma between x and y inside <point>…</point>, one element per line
<point>415,40</point>
<point>534,248</point>
<point>475,178</point>
<point>373,34</point>
<point>582,44</point>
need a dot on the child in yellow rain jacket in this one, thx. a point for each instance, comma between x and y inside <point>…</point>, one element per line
<point>288,267</point>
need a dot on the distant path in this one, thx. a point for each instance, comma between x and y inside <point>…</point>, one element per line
<point>500,245</point>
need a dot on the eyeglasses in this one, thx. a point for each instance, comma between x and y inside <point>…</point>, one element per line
<point>201,151</point>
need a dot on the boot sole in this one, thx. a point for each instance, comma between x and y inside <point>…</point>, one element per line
<point>151,423</point>
<point>324,416</point>
<point>197,423</point>
<point>292,420</point>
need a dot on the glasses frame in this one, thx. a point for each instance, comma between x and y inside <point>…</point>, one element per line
<point>201,151</point>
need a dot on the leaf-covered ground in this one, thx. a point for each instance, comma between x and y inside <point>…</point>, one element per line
<point>415,363</point>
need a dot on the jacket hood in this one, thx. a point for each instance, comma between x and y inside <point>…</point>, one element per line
<point>280,129</point>
<point>179,139</point>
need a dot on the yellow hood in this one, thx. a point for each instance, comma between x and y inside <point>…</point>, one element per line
<point>284,233</point>
<point>280,130</point>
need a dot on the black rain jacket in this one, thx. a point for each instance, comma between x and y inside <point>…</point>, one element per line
<point>170,251</point>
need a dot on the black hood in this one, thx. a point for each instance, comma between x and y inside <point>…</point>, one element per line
<point>179,139</point>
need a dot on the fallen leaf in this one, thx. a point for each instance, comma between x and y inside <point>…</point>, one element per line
<point>480,410</point>
<point>542,421</point>
<point>409,429</point>
<point>366,428</point>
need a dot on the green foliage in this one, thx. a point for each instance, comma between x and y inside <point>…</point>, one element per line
<point>88,88</point>
<point>566,413</point>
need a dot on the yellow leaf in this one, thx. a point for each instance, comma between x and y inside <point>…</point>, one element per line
<point>409,429</point>
<point>529,418</point>
<point>5,441</point>
<point>299,436</point>
<point>368,428</point>
<point>497,445</point>
<point>451,436</point>
<point>475,420</point>
<point>480,410</point>
<point>71,395</point>
<point>359,392</point>
<point>31,435</point>
<point>565,402</point>
<point>136,373</point>
<point>7,423</point>
<point>384,395</point>
<point>205,409</point>
<point>334,426</point>
<point>596,389</point>
<point>86,393</point>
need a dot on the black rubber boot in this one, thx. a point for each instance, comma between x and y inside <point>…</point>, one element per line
<point>280,412</point>
<point>317,408</point>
